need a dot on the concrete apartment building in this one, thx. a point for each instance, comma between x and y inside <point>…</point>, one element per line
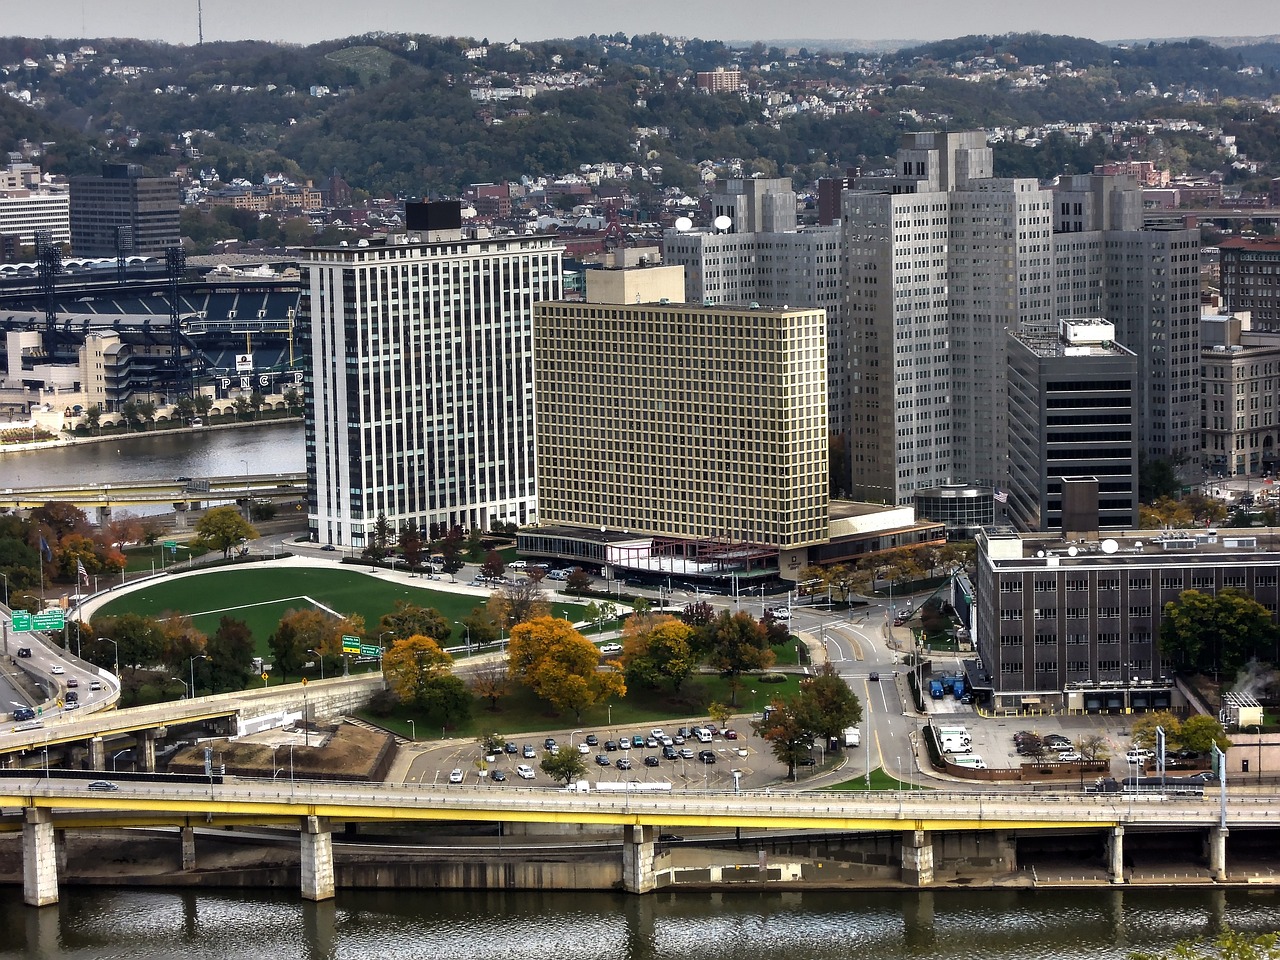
<point>421,405</point>
<point>1071,415</point>
<point>23,211</point>
<point>1250,270</point>
<point>668,419</point>
<point>1073,623</point>
<point>1241,380</point>
<point>943,259</point>
<point>760,255</point>
<point>123,198</point>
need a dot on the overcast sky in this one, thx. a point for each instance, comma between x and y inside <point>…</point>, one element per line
<point>306,21</point>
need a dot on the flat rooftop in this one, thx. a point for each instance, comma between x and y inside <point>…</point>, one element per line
<point>1006,545</point>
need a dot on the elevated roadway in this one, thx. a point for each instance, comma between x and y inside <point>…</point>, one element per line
<point>139,492</point>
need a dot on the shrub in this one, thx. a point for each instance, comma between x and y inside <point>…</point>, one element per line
<point>772,678</point>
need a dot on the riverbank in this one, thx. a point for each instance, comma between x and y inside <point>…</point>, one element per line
<point>70,440</point>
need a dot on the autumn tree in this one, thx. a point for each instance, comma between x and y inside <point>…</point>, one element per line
<point>411,545</point>
<point>826,703</point>
<point>656,651</point>
<point>518,602</point>
<point>475,544</point>
<point>493,566</point>
<point>1092,746</point>
<point>413,665</point>
<point>787,733</point>
<point>484,629</point>
<point>578,581</point>
<point>180,641</point>
<point>1202,733</point>
<point>298,633</point>
<point>561,666</point>
<point>490,681</point>
<point>222,528</point>
<point>736,643</point>
<point>139,639</point>
<point>123,527</point>
<point>698,613</point>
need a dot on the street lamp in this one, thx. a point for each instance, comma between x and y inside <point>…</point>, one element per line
<point>571,736</point>
<point>185,688</point>
<point>117,646</point>
<point>320,657</point>
<point>466,627</point>
<point>192,664</point>
<point>413,731</point>
<point>754,711</point>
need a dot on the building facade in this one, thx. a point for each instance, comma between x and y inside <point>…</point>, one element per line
<point>667,419</point>
<point>1071,414</point>
<point>122,198</point>
<point>1241,394</point>
<point>421,403</point>
<point>1075,625</point>
<point>1250,269</point>
<point>23,212</point>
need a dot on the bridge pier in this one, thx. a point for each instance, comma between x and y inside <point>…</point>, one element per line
<point>637,859</point>
<point>917,858</point>
<point>1218,852</point>
<point>188,849</point>
<point>317,859</point>
<point>39,859</point>
<point>1115,854</point>
<point>97,754</point>
<point>146,751</point>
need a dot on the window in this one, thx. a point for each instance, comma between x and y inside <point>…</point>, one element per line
<point>1046,613</point>
<point>1013,614</point>
<point>1139,612</point>
<point>1108,613</point>
<point>1044,586</point>
<point>1010,586</point>
<point>1171,583</point>
<point>1010,640</point>
<point>1014,667</point>
<point>1139,583</point>
<point>1078,613</point>
<point>1077,585</point>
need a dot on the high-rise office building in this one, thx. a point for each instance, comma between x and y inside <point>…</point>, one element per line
<point>421,407</point>
<point>944,259</point>
<point>1071,414</point>
<point>23,212</point>
<point>123,199</point>
<point>668,419</point>
<point>1251,278</point>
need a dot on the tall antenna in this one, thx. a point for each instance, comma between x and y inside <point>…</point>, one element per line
<point>200,20</point>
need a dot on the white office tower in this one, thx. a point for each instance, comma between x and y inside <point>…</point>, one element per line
<point>943,260</point>
<point>421,404</point>
<point>755,253</point>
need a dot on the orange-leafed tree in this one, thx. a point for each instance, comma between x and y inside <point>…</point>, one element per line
<point>561,666</point>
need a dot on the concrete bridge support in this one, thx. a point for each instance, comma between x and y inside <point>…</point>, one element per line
<point>317,859</point>
<point>1115,854</point>
<point>917,858</point>
<point>188,848</point>
<point>146,751</point>
<point>637,859</point>
<point>39,859</point>
<point>1218,852</point>
<point>97,754</point>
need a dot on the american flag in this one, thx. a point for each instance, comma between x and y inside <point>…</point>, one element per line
<point>81,572</point>
<point>1001,496</point>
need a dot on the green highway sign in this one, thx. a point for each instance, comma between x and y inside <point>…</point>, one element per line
<point>171,544</point>
<point>350,644</point>
<point>21,620</point>
<point>48,620</point>
<point>370,650</point>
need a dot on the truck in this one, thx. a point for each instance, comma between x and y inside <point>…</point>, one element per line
<point>935,689</point>
<point>958,688</point>
<point>852,737</point>
<point>953,744</point>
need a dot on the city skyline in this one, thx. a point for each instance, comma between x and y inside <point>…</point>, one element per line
<point>296,21</point>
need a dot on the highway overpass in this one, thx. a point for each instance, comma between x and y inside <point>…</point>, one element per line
<point>104,496</point>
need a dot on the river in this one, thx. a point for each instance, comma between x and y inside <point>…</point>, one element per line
<point>1058,924</point>
<point>270,448</point>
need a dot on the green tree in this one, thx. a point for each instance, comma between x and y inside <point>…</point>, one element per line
<point>827,704</point>
<point>787,733</point>
<point>1215,633</point>
<point>380,538</point>
<point>1202,733</point>
<point>484,629</point>
<point>406,619</point>
<point>475,544</point>
<point>561,666</point>
<point>294,402</point>
<point>231,652</point>
<point>222,528</point>
<point>737,643</point>
<point>296,635</point>
<point>657,651</point>
<point>93,417</point>
<point>563,767</point>
<point>139,639</point>
<point>1230,945</point>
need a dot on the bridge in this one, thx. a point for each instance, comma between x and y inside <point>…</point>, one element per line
<point>104,496</point>
<point>41,807</point>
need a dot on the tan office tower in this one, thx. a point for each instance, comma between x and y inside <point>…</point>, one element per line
<point>668,419</point>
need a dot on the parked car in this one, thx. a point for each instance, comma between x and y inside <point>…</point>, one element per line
<point>651,761</point>
<point>524,772</point>
<point>730,734</point>
<point>602,760</point>
<point>510,747</point>
<point>637,741</point>
<point>707,756</point>
<point>455,775</point>
<point>517,565</point>
<point>686,753</point>
<point>549,742</point>
<point>652,743</point>
<point>528,752</point>
<point>610,649</point>
<point>611,745</point>
<point>670,753</point>
<point>592,740</point>
<point>624,763</point>
<point>497,776</point>
<point>584,748</point>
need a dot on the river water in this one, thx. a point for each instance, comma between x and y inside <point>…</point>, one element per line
<point>1058,924</point>
<point>270,448</point>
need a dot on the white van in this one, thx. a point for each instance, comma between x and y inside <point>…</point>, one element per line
<point>703,734</point>
<point>955,745</point>
<point>971,760</point>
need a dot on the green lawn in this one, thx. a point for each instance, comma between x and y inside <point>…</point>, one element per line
<point>261,596</point>
<point>879,781</point>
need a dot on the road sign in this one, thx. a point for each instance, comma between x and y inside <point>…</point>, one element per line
<point>350,644</point>
<point>369,650</point>
<point>170,544</point>
<point>21,620</point>
<point>48,620</point>
<point>264,676</point>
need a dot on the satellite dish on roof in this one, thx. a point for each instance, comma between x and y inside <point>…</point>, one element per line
<point>683,224</point>
<point>723,222</point>
<point>1110,546</point>
<point>1072,551</point>
<point>1039,553</point>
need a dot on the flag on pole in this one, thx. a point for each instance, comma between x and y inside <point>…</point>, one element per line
<point>81,572</point>
<point>1001,496</point>
<point>44,550</point>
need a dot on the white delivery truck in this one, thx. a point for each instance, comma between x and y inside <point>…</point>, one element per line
<point>852,737</point>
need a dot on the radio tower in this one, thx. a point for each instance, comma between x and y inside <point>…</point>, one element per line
<point>200,20</point>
